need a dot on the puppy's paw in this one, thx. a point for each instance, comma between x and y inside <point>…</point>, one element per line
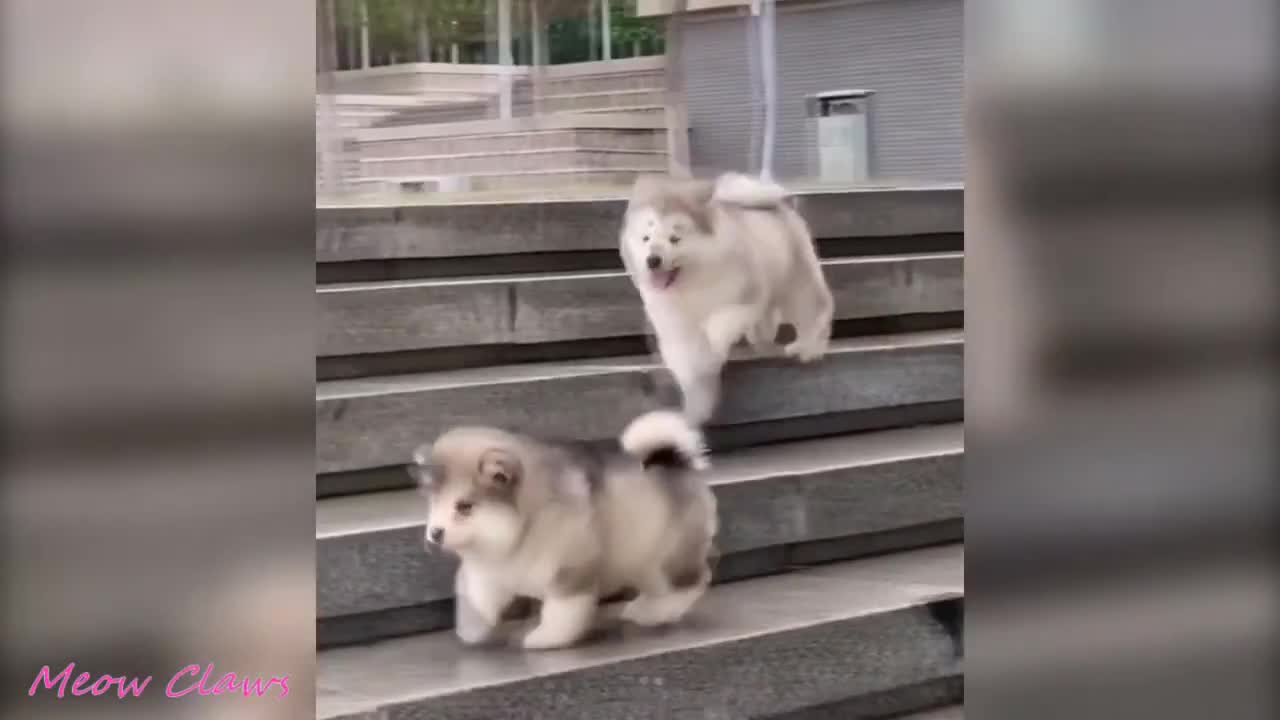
<point>761,339</point>
<point>564,621</point>
<point>544,638</point>
<point>475,634</point>
<point>725,328</point>
<point>643,611</point>
<point>721,341</point>
<point>805,352</point>
<point>656,610</point>
<point>763,335</point>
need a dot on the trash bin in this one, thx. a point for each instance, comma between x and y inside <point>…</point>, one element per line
<point>840,126</point>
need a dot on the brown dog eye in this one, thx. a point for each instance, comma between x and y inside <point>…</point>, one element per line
<point>463,507</point>
<point>675,239</point>
<point>645,238</point>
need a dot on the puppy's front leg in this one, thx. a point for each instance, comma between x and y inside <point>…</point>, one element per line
<point>478,606</point>
<point>565,619</point>
<point>764,334</point>
<point>695,366</point>
<point>728,325</point>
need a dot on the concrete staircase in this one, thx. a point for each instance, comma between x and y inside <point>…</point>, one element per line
<point>338,116</point>
<point>581,124</point>
<point>358,111</point>
<point>626,85</point>
<point>551,150</point>
<point>840,593</point>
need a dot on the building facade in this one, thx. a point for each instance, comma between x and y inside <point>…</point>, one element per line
<point>910,53</point>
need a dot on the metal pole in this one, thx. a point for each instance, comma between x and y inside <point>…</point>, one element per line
<point>364,34</point>
<point>769,69</point>
<point>535,23</point>
<point>422,19</point>
<point>606,35</point>
<point>592,29</point>
<point>676,112</point>
<point>504,56</point>
<point>328,139</point>
<point>755,79</point>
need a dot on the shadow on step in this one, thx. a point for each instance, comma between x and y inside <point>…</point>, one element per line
<point>719,439</point>
<point>368,627</point>
<point>723,438</point>
<point>451,358</point>
<point>576,260</point>
<point>463,266</point>
<point>900,703</point>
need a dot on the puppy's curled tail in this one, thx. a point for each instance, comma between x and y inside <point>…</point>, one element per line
<point>664,438</point>
<point>748,192</point>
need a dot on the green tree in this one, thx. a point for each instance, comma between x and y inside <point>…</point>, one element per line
<point>410,30</point>
<point>640,34</point>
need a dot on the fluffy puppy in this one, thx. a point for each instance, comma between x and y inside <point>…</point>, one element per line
<point>570,523</point>
<point>716,262</point>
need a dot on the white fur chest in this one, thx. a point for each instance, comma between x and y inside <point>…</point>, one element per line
<point>518,575</point>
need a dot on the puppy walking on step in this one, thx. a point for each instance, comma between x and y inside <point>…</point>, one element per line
<point>716,262</point>
<point>568,524</point>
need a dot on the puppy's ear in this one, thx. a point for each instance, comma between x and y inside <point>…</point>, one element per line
<point>647,189</point>
<point>424,470</point>
<point>420,468</point>
<point>691,198</point>
<point>499,470</point>
<point>701,217</point>
<point>698,193</point>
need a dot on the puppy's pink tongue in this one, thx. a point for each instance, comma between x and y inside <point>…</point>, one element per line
<point>662,279</point>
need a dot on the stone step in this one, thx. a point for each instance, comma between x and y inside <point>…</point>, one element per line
<point>433,229</point>
<point>480,108</point>
<point>655,110</point>
<point>949,712</point>
<point>642,104</point>
<point>648,101</point>
<point>562,177</point>
<point>377,422</point>
<point>349,119</point>
<point>359,111</point>
<point>443,113</point>
<point>376,317</point>
<point>549,121</point>
<point>758,648</point>
<point>514,162</point>
<point>582,138</point>
<point>620,177</point>
<point>607,82</point>
<point>613,100</point>
<point>398,102</point>
<point>370,555</point>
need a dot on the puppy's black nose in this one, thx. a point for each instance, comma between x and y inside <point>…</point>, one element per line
<point>435,535</point>
<point>653,262</point>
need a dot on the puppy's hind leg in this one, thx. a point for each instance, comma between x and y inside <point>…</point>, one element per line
<point>668,596</point>
<point>565,619</point>
<point>811,312</point>
<point>808,304</point>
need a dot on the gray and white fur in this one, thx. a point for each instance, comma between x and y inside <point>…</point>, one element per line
<point>568,524</point>
<point>719,261</point>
